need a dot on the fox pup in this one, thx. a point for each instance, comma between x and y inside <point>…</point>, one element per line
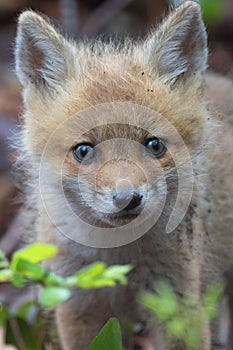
<point>125,162</point>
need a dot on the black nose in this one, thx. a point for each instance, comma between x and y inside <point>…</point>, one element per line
<point>127,200</point>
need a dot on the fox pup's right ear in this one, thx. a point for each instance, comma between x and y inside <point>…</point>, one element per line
<point>178,49</point>
<point>42,54</point>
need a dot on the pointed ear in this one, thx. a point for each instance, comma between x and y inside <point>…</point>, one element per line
<point>42,53</point>
<point>179,47</point>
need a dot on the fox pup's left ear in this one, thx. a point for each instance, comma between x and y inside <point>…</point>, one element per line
<point>179,47</point>
<point>43,57</point>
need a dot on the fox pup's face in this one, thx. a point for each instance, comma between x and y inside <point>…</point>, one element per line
<point>119,123</point>
<point>114,172</point>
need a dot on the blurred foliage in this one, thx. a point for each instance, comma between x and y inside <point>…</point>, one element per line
<point>25,269</point>
<point>184,319</point>
<point>214,11</point>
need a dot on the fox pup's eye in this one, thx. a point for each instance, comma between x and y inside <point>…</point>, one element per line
<point>83,152</point>
<point>156,146</point>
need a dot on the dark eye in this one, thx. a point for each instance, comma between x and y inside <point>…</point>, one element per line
<point>83,152</point>
<point>156,146</point>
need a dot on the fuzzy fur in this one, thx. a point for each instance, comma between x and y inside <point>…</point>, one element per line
<point>164,73</point>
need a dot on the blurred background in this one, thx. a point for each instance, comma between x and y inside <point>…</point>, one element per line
<point>84,18</point>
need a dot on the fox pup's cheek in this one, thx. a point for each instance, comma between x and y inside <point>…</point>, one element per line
<point>167,161</point>
<point>70,165</point>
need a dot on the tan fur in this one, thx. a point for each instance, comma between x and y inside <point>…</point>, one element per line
<point>165,73</point>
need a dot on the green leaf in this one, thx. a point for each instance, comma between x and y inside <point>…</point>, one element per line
<point>4,315</point>
<point>149,300</point>
<point>3,260</point>
<point>5,275</point>
<point>168,304</point>
<point>53,279</point>
<point>164,304</point>
<point>211,300</point>
<point>176,328</point>
<point>52,296</point>
<point>2,255</point>
<point>23,311</point>
<point>95,283</point>
<point>20,333</point>
<point>90,277</point>
<point>117,272</point>
<point>30,270</point>
<point>97,276</point>
<point>34,253</point>
<point>109,337</point>
<point>18,280</point>
<point>193,334</point>
<point>91,271</point>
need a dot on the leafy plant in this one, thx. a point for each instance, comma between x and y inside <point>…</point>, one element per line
<point>183,319</point>
<point>25,269</point>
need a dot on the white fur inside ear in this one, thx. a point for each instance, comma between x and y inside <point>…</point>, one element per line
<point>179,46</point>
<point>42,53</point>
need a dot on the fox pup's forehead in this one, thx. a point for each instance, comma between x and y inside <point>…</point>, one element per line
<point>116,130</point>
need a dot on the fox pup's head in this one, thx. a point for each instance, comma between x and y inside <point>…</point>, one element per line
<point>119,120</point>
